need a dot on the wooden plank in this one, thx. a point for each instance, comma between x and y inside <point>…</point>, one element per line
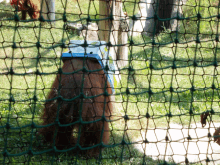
<point>104,25</point>
<point>48,10</point>
<point>111,31</point>
<point>122,54</point>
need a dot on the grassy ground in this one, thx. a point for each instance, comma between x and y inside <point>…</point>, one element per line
<point>178,103</point>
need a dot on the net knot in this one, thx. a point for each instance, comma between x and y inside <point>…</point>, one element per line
<point>207,160</point>
<point>106,93</point>
<point>38,45</point>
<point>171,89</point>
<point>151,66</point>
<point>35,98</point>
<point>60,71</point>
<point>84,45</point>
<point>213,86</point>
<point>150,92</point>
<point>217,38</point>
<point>126,117</point>
<point>212,111</point>
<point>111,18</point>
<point>192,89</point>
<point>11,71</point>
<point>127,91</point>
<point>199,16</point>
<point>59,99</point>
<point>123,142</point>
<point>169,114</point>
<point>88,19</point>
<point>57,123</point>
<point>30,153</point>
<point>103,119</point>
<point>109,44</point>
<point>147,115</point>
<point>11,99</point>
<point>189,138</point>
<point>14,46</point>
<point>191,111</point>
<point>178,17</point>
<point>131,42</point>
<point>64,17</point>
<point>145,141</point>
<point>81,96</point>
<point>33,125</point>
<point>156,17</point>
<point>5,153</point>
<point>215,63</point>
<point>63,45</point>
<point>174,66</point>
<point>7,126</point>
<point>84,70</point>
<point>176,41</point>
<point>153,42</point>
<point>195,64</point>
<point>198,40</point>
<point>41,19</point>
<point>134,18</point>
<point>16,18</point>
<point>37,72</point>
<point>106,67</point>
<point>130,69</point>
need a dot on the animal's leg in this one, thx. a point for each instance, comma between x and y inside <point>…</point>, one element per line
<point>65,137</point>
<point>47,133</point>
<point>34,11</point>
<point>91,135</point>
<point>30,13</point>
<point>23,17</point>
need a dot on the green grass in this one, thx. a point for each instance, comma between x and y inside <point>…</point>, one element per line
<point>24,87</point>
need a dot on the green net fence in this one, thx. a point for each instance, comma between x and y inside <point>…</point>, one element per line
<point>165,108</point>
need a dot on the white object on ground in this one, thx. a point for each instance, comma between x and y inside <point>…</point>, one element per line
<point>178,147</point>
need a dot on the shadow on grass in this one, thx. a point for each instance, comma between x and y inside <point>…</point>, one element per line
<point>6,15</point>
<point>24,139</point>
<point>44,62</point>
<point>21,138</point>
<point>160,60</point>
<point>6,10</point>
<point>182,99</point>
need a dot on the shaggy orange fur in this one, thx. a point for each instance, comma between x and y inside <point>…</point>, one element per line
<point>69,86</point>
<point>32,7</point>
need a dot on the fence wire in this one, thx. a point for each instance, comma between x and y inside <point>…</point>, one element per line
<point>165,108</point>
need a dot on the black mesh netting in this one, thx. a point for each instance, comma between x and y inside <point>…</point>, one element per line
<point>164,108</point>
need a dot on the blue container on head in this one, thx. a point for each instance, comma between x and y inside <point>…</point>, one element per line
<point>94,49</point>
